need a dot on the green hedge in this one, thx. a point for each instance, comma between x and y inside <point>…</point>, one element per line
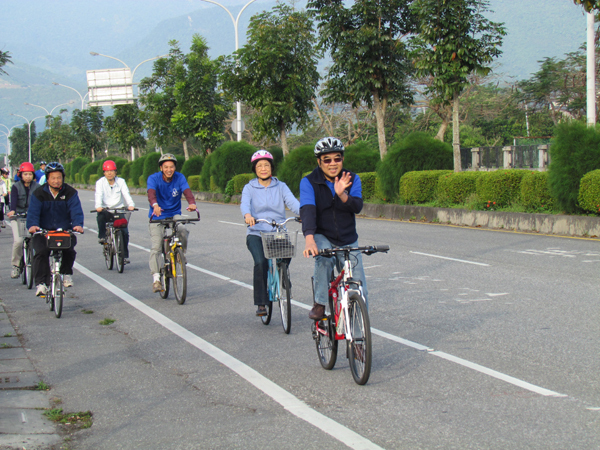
<point>75,166</point>
<point>137,170</point>
<point>502,187</point>
<point>89,169</point>
<point>151,164</point>
<point>237,183</point>
<point>192,166</point>
<point>297,163</point>
<point>142,182</point>
<point>193,181</point>
<point>535,192</point>
<point>369,185</point>
<point>224,163</point>
<point>420,186</point>
<point>455,188</point>
<point>93,178</point>
<point>361,158</point>
<point>589,191</point>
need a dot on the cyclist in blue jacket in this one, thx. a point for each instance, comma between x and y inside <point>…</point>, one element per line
<point>330,198</point>
<point>52,206</point>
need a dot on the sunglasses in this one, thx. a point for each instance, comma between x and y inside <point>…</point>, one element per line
<point>337,159</point>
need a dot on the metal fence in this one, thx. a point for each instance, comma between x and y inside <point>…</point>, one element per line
<point>514,156</point>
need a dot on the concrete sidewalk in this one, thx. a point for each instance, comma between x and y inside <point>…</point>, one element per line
<point>22,422</point>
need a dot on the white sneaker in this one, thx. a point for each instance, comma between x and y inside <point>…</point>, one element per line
<point>67,281</point>
<point>41,290</point>
<point>15,272</point>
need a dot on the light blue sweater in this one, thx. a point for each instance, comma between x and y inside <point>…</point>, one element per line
<point>267,203</point>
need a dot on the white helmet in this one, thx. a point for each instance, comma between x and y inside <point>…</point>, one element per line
<point>328,145</point>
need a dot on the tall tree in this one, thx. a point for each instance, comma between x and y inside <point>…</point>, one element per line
<point>182,98</point>
<point>54,143</point>
<point>5,58</point>
<point>454,41</point>
<point>19,144</point>
<point>276,72</point>
<point>589,5</point>
<point>125,127</point>
<point>86,126</point>
<point>370,57</point>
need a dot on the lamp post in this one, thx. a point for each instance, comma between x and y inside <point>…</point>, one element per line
<point>8,133</point>
<point>29,128</point>
<point>238,128</point>
<point>73,89</point>
<point>49,113</point>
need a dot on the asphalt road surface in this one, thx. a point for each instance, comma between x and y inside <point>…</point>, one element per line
<point>482,340</point>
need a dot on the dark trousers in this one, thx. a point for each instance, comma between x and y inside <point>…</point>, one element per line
<point>41,262</point>
<point>103,217</point>
<point>261,269</point>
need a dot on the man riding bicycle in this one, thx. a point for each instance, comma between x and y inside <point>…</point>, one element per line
<point>330,198</point>
<point>52,206</point>
<point>165,189</point>
<point>112,192</point>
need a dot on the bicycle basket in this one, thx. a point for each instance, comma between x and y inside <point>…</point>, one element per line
<point>121,220</point>
<point>58,240</point>
<point>22,227</point>
<point>279,244</point>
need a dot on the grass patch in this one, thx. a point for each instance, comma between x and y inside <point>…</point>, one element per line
<point>41,386</point>
<point>107,321</point>
<point>78,420</point>
<point>8,335</point>
<point>87,311</point>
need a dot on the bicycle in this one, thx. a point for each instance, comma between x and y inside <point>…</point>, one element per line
<point>25,267</point>
<point>114,247</point>
<point>279,246</point>
<point>173,258</point>
<point>56,241</point>
<point>346,317</point>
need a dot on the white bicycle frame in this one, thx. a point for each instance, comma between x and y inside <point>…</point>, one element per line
<point>345,293</point>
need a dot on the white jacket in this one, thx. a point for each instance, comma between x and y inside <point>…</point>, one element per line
<point>115,196</point>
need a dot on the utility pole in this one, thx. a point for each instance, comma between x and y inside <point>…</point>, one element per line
<point>591,70</point>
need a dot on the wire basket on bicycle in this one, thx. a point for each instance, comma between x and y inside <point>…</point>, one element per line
<point>22,227</point>
<point>279,244</point>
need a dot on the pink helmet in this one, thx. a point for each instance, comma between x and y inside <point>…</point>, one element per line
<point>261,154</point>
<point>109,165</point>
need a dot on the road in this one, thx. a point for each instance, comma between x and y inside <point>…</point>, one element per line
<point>482,339</point>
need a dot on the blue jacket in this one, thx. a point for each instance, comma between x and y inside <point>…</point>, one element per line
<point>267,203</point>
<point>50,213</point>
<point>38,174</point>
<point>323,212</point>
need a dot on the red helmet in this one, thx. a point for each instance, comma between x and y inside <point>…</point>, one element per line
<point>109,165</point>
<point>26,167</point>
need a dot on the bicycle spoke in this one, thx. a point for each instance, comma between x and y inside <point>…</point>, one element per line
<point>360,346</point>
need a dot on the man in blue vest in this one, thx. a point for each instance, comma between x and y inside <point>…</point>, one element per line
<point>330,198</point>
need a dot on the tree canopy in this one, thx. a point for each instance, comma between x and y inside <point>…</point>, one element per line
<point>589,5</point>
<point>5,58</point>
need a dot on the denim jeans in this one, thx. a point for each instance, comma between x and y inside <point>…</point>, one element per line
<point>103,217</point>
<point>324,267</point>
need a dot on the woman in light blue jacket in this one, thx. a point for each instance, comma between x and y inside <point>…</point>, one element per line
<point>264,197</point>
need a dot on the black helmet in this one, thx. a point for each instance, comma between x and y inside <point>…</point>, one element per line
<point>167,157</point>
<point>42,163</point>
<point>54,167</point>
<point>328,145</point>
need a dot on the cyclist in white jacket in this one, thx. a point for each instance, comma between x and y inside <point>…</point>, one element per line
<point>112,192</point>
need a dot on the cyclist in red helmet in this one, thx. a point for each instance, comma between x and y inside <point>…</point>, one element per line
<point>19,199</point>
<point>112,192</point>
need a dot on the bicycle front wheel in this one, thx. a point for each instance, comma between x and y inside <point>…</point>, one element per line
<point>272,292</point>
<point>285,297</point>
<point>180,276</point>
<point>28,254</point>
<point>119,246</point>
<point>360,346</point>
<point>22,268</point>
<point>109,253</point>
<point>57,294</point>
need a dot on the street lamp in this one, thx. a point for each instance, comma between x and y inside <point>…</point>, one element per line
<point>235,21</point>
<point>50,113</point>
<point>29,128</point>
<point>82,98</point>
<point>8,146</point>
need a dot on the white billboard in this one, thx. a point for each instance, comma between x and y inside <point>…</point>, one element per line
<point>110,87</point>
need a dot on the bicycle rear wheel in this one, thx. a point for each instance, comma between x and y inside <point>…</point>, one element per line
<point>180,276</point>
<point>109,253</point>
<point>360,353</point>
<point>285,297</point>
<point>57,294</point>
<point>22,269</point>
<point>119,246</point>
<point>28,254</point>
<point>164,276</point>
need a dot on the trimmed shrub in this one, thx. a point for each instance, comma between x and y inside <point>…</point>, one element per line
<point>204,181</point>
<point>192,166</point>
<point>137,170</point>
<point>125,172</point>
<point>589,192</point>
<point>575,152</point>
<point>238,182</point>
<point>193,182</point>
<point>454,188</point>
<point>151,164</point>
<point>419,186</point>
<point>93,178</point>
<point>89,169</point>
<point>75,166</point>
<point>296,164</point>
<point>361,158</point>
<point>535,192</point>
<point>277,153</point>
<point>143,182</point>
<point>228,160</point>
<point>417,151</point>
<point>369,184</point>
<point>78,178</point>
<point>502,187</point>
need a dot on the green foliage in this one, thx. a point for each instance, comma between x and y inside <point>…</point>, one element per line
<point>456,187</point>
<point>193,181</point>
<point>417,151</point>
<point>125,127</point>
<point>589,191</point>
<point>75,166</point>
<point>238,182</point>
<point>361,157</point>
<point>55,142</point>
<point>86,127</point>
<point>420,187</point>
<point>192,166</point>
<point>502,187</point>
<point>589,5</point>
<point>204,181</point>
<point>89,169</point>
<point>575,152</point>
<point>125,172</point>
<point>5,58</point>
<point>137,170</point>
<point>143,182</point>
<point>295,165</point>
<point>228,160</point>
<point>369,184</point>
<point>93,178</point>
<point>535,192</point>
<point>151,164</point>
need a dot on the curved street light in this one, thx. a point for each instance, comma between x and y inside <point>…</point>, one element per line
<point>8,146</point>
<point>29,128</point>
<point>73,89</point>
<point>50,113</point>
<point>235,26</point>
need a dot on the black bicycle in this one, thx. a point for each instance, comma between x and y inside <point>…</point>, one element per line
<point>113,248</point>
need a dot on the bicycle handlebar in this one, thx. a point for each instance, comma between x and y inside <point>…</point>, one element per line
<point>278,225</point>
<point>60,230</point>
<point>124,209</point>
<point>170,220</point>
<point>367,250</point>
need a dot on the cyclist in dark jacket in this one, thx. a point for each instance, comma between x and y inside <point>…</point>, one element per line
<point>52,206</point>
<point>330,198</point>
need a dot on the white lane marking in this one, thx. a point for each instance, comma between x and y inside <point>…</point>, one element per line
<point>451,259</point>
<point>232,223</point>
<point>496,295</point>
<point>290,402</point>
<point>415,345</point>
<point>371,267</point>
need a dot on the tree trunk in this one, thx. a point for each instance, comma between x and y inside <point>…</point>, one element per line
<point>284,144</point>
<point>380,108</point>
<point>186,153</point>
<point>456,133</point>
<point>442,131</point>
<point>93,155</point>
